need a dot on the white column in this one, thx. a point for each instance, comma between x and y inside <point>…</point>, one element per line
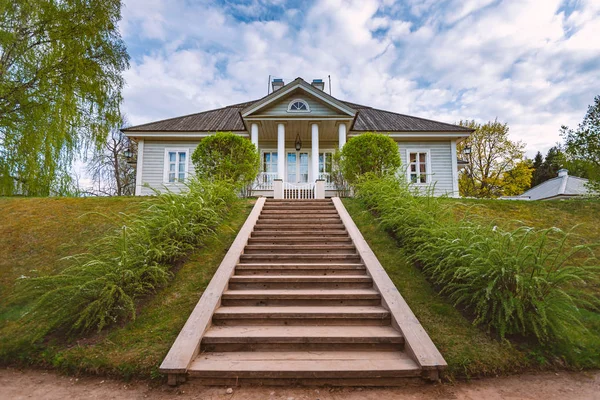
<point>254,134</point>
<point>342,135</point>
<point>315,152</point>
<point>280,150</point>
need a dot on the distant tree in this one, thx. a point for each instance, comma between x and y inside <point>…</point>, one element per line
<point>538,160</point>
<point>517,180</point>
<point>492,155</point>
<point>369,152</point>
<point>110,170</point>
<point>548,169</point>
<point>583,144</point>
<point>60,87</point>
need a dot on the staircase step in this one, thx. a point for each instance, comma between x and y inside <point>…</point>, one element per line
<point>300,233</point>
<point>300,269</point>
<point>287,226</point>
<point>241,282</point>
<point>300,248</point>
<point>277,240</point>
<point>301,297</point>
<point>299,219</point>
<point>302,315</point>
<point>306,258</point>
<point>304,364</point>
<point>290,338</point>
<point>284,213</point>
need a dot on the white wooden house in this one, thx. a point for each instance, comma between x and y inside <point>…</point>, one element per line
<point>297,128</point>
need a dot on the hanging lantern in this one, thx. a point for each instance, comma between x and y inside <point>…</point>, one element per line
<point>298,142</point>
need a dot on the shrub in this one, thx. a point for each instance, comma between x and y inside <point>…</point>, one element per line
<point>101,287</point>
<point>225,156</point>
<point>370,152</point>
<point>512,282</point>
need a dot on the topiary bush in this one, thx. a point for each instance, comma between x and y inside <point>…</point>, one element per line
<point>226,156</point>
<point>370,152</point>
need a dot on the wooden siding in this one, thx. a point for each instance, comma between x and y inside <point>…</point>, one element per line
<point>316,108</point>
<point>153,165</point>
<point>441,163</point>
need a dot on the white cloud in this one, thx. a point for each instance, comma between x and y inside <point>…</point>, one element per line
<point>523,62</point>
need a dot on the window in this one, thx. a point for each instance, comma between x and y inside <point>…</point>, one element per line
<point>418,166</point>
<point>325,166</point>
<point>298,105</point>
<point>176,166</point>
<point>269,161</point>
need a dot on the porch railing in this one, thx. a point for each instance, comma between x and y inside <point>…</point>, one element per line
<point>329,183</point>
<point>298,191</point>
<point>264,181</point>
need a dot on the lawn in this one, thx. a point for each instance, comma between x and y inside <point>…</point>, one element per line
<point>41,231</point>
<point>468,350</point>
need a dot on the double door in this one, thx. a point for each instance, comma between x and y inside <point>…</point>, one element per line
<point>297,166</point>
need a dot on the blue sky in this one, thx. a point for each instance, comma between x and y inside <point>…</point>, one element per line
<point>534,64</point>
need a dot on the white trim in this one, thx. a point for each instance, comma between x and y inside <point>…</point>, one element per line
<point>455,190</point>
<point>175,134</point>
<point>289,107</point>
<point>281,150</point>
<point>138,172</point>
<point>313,173</point>
<point>254,134</point>
<point>295,118</point>
<point>428,172</point>
<point>308,88</point>
<point>176,150</point>
<point>420,135</point>
<point>341,135</point>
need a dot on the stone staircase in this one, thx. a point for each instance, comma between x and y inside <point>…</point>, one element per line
<point>301,306</point>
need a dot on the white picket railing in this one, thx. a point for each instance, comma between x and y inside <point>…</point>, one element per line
<point>326,176</point>
<point>298,191</point>
<point>264,181</point>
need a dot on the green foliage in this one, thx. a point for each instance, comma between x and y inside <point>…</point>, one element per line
<point>517,180</point>
<point>101,287</point>
<point>369,153</point>
<point>548,168</point>
<point>513,282</point>
<point>583,144</point>
<point>492,154</point>
<point>60,86</point>
<point>226,156</point>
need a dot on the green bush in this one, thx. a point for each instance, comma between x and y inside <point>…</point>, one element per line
<point>370,152</point>
<point>101,287</point>
<point>226,156</point>
<point>512,282</point>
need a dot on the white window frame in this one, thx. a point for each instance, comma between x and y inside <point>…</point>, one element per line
<point>176,150</point>
<point>289,107</point>
<point>262,159</point>
<point>326,151</point>
<point>428,171</point>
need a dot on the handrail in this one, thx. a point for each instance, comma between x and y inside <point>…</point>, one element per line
<point>298,191</point>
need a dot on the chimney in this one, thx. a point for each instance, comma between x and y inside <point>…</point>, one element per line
<point>277,84</point>
<point>318,83</point>
<point>563,172</point>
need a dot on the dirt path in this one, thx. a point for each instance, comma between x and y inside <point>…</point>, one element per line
<point>32,384</point>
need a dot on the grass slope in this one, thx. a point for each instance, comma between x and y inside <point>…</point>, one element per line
<point>138,347</point>
<point>467,350</point>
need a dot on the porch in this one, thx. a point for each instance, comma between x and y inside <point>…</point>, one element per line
<point>306,166</point>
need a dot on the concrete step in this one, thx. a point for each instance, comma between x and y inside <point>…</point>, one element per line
<point>242,282</point>
<point>300,269</point>
<point>304,258</point>
<point>300,248</point>
<point>302,316</point>
<point>301,297</point>
<point>295,338</point>
<point>304,365</point>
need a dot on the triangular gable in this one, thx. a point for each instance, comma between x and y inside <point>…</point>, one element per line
<point>298,85</point>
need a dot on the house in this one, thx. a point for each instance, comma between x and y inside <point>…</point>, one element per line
<point>297,128</point>
<point>564,186</point>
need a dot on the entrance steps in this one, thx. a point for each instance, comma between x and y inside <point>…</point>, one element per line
<point>302,302</point>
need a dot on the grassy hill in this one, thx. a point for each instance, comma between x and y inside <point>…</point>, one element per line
<point>37,233</point>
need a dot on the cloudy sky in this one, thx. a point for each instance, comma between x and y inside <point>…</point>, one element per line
<point>534,64</point>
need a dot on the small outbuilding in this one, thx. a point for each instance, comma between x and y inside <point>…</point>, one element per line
<point>564,186</point>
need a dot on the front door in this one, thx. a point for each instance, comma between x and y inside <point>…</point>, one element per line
<point>297,166</point>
